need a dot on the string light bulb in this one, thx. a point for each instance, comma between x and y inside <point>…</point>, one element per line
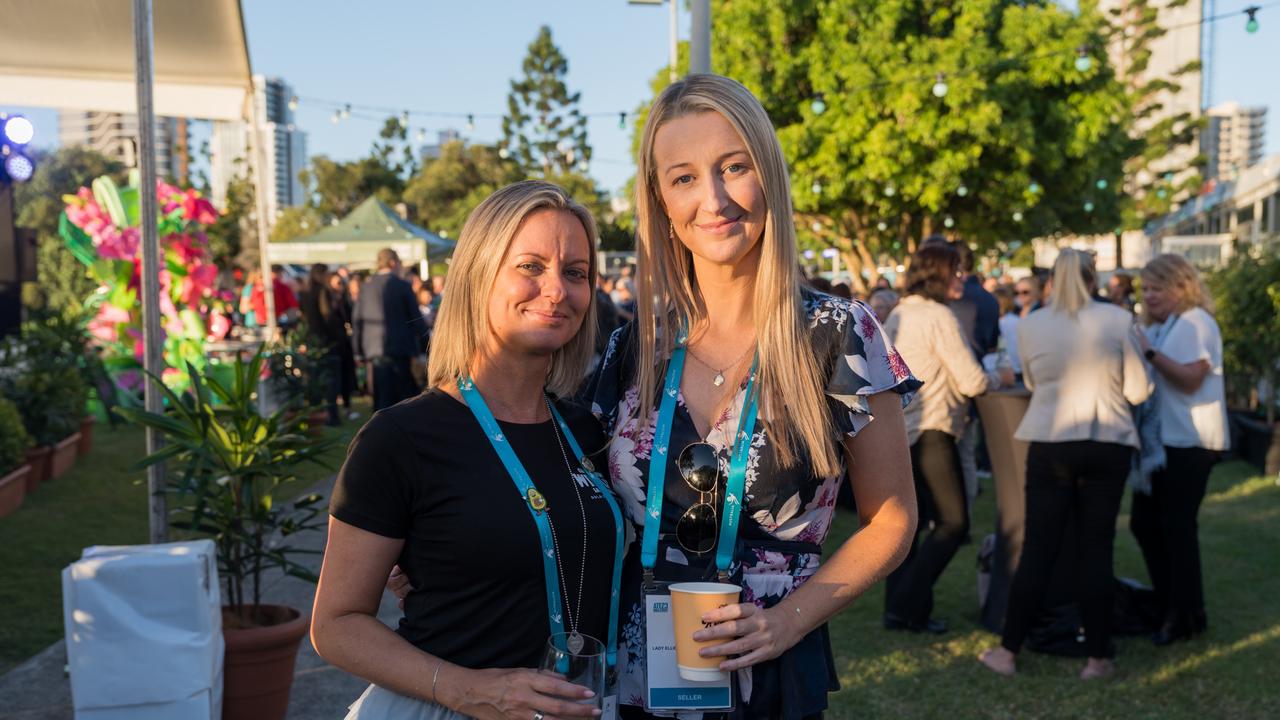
<point>1251,25</point>
<point>1088,206</point>
<point>817,227</point>
<point>471,123</point>
<point>1101,184</point>
<point>293,102</point>
<point>882,226</point>
<point>890,190</point>
<point>948,222</point>
<point>404,119</point>
<point>819,104</point>
<point>622,121</point>
<point>962,191</point>
<point>504,153</point>
<point>1017,216</point>
<point>346,111</point>
<point>817,188</point>
<point>337,117</point>
<point>422,136</point>
<point>1034,188</point>
<point>940,85</point>
<point>1083,61</point>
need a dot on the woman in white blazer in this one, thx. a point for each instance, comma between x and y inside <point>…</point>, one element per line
<point>1081,361</point>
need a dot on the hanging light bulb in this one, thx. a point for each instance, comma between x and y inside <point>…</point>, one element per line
<point>1034,188</point>
<point>890,190</point>
<point>940,85</point>
<point>622,121</point>
<point>1088,206</point>
<point>471,123</point>
<point>819,104</point>
<point>293,102</point>
<point>337,117</point>
<point>1017,216</point>
<point>504,153</point>
<point>962,191</point>
<point>817,188</point>
<point>1101,184</point>
<point>422,136</point>
<point>817,227</point>
<point>583,166</point>
<point>1161,193</point>
<point>404,119</point>
<point>948,222</point>
<point>1083,61</point>
<point>1251,25</point>
<point>882,226</point>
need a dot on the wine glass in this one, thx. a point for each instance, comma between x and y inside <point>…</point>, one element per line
<point>585,667</point>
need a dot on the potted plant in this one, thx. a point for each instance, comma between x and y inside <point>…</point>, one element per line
<point>1247,295</point>
<point>299,375</point>
<point>226,463</point>
<point>14,442</point>
<point>44,382</point>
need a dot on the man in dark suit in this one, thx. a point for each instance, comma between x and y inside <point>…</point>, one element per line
<point>387,326</point>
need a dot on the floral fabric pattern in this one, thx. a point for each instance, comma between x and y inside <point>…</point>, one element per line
<point>786,512</point>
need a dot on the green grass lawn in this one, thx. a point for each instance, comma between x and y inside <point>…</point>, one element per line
<point>1229,672</point>
<point>100,502</point>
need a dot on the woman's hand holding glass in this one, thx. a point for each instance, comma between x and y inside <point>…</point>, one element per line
<point>518,694</point>
<point>754,635</point>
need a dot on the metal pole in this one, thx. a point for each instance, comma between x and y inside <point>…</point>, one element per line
<point>700,37</point>
<point>152,359</point>
<point>675,38</point>
<point>260,203</point>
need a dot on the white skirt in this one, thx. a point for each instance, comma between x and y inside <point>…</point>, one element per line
<point>379,703</point>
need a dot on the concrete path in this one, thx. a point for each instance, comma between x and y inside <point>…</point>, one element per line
<point>39,689</point>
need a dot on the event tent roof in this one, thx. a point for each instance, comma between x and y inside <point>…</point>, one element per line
<point>356,239</point>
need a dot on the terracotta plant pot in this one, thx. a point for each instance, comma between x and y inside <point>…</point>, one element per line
<point>86,435</point>
<point>258,671</point>
<point>13,489</point>
<point>39,459</point>
<point>64,456</point>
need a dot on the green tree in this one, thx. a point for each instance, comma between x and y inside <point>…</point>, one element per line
<point>233,239</point>
<point>295,222</point>
<point>1013,147</point>
<point>543,129</point>
<point>63,281</point>
<point>449,187</point>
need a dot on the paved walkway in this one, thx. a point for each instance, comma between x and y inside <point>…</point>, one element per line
<point>39,689</point>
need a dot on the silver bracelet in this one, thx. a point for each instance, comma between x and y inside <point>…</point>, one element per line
<point>434,677</point>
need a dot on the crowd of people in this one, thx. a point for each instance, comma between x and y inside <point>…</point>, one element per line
<point>673,450</point>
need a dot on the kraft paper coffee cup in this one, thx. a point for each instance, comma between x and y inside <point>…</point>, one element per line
<point>688,603</point>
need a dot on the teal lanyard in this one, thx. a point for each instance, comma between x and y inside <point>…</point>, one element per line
<point>734,487</point>
<point>538,508</point>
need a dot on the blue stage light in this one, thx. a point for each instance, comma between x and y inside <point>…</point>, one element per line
<point>18,130</point>
<point>19,168</point>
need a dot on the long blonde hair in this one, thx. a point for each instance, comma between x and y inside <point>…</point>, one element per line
<point>790,378</point>
<point>1073,278</point>
<point>462,326</point>
<point>1180,277</point>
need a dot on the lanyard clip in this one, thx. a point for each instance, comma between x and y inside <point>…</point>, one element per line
<point>723,576</point>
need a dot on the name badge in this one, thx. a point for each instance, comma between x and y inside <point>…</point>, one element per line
<point>664,688</point>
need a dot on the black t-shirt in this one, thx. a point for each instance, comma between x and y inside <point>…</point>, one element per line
<point>423,470</point>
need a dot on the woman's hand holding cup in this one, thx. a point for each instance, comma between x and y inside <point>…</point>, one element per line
<point>755,635</point>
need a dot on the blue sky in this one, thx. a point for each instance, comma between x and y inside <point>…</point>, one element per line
<point>460,56</point>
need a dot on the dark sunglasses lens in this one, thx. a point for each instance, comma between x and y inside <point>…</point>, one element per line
<point>700,467</point>
<point>696,530</point>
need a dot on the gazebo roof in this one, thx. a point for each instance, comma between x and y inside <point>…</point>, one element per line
<point>373,221</point>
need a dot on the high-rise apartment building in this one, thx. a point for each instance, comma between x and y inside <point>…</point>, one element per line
<point>116,136</point>
<point>285,145</point>
<point>1233,139</point>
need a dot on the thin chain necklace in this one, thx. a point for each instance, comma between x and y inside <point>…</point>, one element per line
<point>719,378</point>
<point>575,641</point>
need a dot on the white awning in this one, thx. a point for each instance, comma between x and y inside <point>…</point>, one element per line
<point>79,54</point>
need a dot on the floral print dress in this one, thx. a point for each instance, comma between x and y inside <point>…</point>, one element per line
<point>786,512</point>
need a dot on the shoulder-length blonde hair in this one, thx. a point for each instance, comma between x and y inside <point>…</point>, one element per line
<point>790,378</point>
<point>1182,279</point>
<point>1073,281</point>
<point>462,327</point>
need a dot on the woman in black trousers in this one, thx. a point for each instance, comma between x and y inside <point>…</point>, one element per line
<point>1081,361</point>
<point>1184,346</point>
